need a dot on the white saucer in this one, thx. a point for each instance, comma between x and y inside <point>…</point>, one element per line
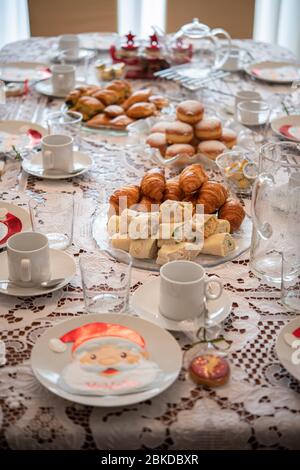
<point>34,167</point>
<point>18,212</point>
<point>162,347</point>
<point>284,350</point>
<point>22,71</point>
<point>55,56</point>
<point>292,120</point>
<point>145,302</point>
<point>45,88</point>
<point>62,266</point>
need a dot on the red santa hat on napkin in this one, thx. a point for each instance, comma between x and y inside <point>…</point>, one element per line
<point>94,334</point>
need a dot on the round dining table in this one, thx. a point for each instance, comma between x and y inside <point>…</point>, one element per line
<point>259,408</point>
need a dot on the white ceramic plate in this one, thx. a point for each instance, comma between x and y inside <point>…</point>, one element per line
<point>62,266</point>
<point>145,302</point>
<point>162,347</point>
<point>55,56</point>
<point>20,134</point>
<point>280,72</point>
<point>18,212</point>
<point>97,41</point>
<point>242,239</point>
<point>293,121</point>
<point>33,166</point>
<point>45,88</point>
<point>21,71</point>
<point>284,351</point>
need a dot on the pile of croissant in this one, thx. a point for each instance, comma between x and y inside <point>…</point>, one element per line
<point>192,185</point>
<point>114,106</point>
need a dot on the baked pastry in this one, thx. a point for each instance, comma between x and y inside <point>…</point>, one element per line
<point>173,190</point>
<point>121,241</point>
<point>232,211</point>
<point>228,137</point>
<point>72,98</point>
<point>121,122</point>
<point>219,244</point>
<point>177,251</point>
<point>88,106</point>
<point>113,225</point>
<point>107,97</point>
<point>210,370</point>
<point>223,226</point>
<point>192,178</point>
<point>153,184</point>
<point>209,129</point>
<point>159,101</point>
<point>122,88</point>
<point>208,222</point>
<point>180,150</point>
<point>113,110</point>
<point>212,195</point>
<point>211,148</point>
<point>178,132</point>
<point>141,110</point>
<point>158,140</point>
<point>127,196</point>
<point>160,126</point>
<point>191,198</point>
<point>99,121</point>
<point>147,204</point>
<point>175,211</point>
<point>137,97</point>
<point>91,89</point>
<point>143,249</point>
<point>190,111</point>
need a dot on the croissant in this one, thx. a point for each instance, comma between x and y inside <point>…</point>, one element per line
<point>132,193</point>
<point>192,178</point>
<point>212,195</point>
<point>173,190</point>
<point>232,211</point>
<point>153,184</point>
<point>146,204</point>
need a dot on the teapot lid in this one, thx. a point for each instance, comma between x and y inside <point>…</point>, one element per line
<point>195,29</point>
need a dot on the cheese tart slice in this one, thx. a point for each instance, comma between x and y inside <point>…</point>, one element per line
<point>223,226</point>
<point>143,249</point>
<point>220,244</point>
<point>179,251</point>
<point>209,223</point>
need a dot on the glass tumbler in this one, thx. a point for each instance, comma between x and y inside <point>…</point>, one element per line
<point>53,215</point>
<point>254,115</point>
<point>106,281</point>
<point>290,280</point>
<point>66,123</point>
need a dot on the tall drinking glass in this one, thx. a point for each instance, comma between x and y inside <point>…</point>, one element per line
<point>254,115</point>
<point>66,123</point>
<point>274,210</point>
<point>106,281</point>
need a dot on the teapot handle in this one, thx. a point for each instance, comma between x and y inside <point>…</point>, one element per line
<point>222,57</point>
<point>264,228</point>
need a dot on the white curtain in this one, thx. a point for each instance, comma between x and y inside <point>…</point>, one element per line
<point>139,15</point>
<point>14,22</point>
<point>278,22</point>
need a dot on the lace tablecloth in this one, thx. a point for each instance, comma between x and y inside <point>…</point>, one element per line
<point>259,408</point>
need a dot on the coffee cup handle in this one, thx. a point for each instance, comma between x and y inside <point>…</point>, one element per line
<point>48,157</point>
<point>25,270</point>
<point>213,280</point>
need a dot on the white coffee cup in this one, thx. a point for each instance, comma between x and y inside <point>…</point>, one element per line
<point>63,78</point>
<point>57,152</point>
<point>184,288</point>
<point>28,258</point>
<point>69,43</point>
<point>246,95</point>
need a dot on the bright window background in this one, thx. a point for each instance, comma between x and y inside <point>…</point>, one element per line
<point>14,23</point>
<point>139,15</point>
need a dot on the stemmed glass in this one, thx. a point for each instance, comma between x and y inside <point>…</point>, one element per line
<point>254,115</point>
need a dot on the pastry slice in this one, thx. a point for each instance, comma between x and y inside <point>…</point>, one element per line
<point>175,211</point>
<point>120,241</point>
<point>113,225</point>
<point>209,223</point>
<point>144,225</point>
<point>223,226</point>
<point>125,219</point>
<point>179,251</point>
<point>143,249</point>
<point>220,244</point>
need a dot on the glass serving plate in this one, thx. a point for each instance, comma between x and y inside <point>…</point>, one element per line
<point>242,238</point>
